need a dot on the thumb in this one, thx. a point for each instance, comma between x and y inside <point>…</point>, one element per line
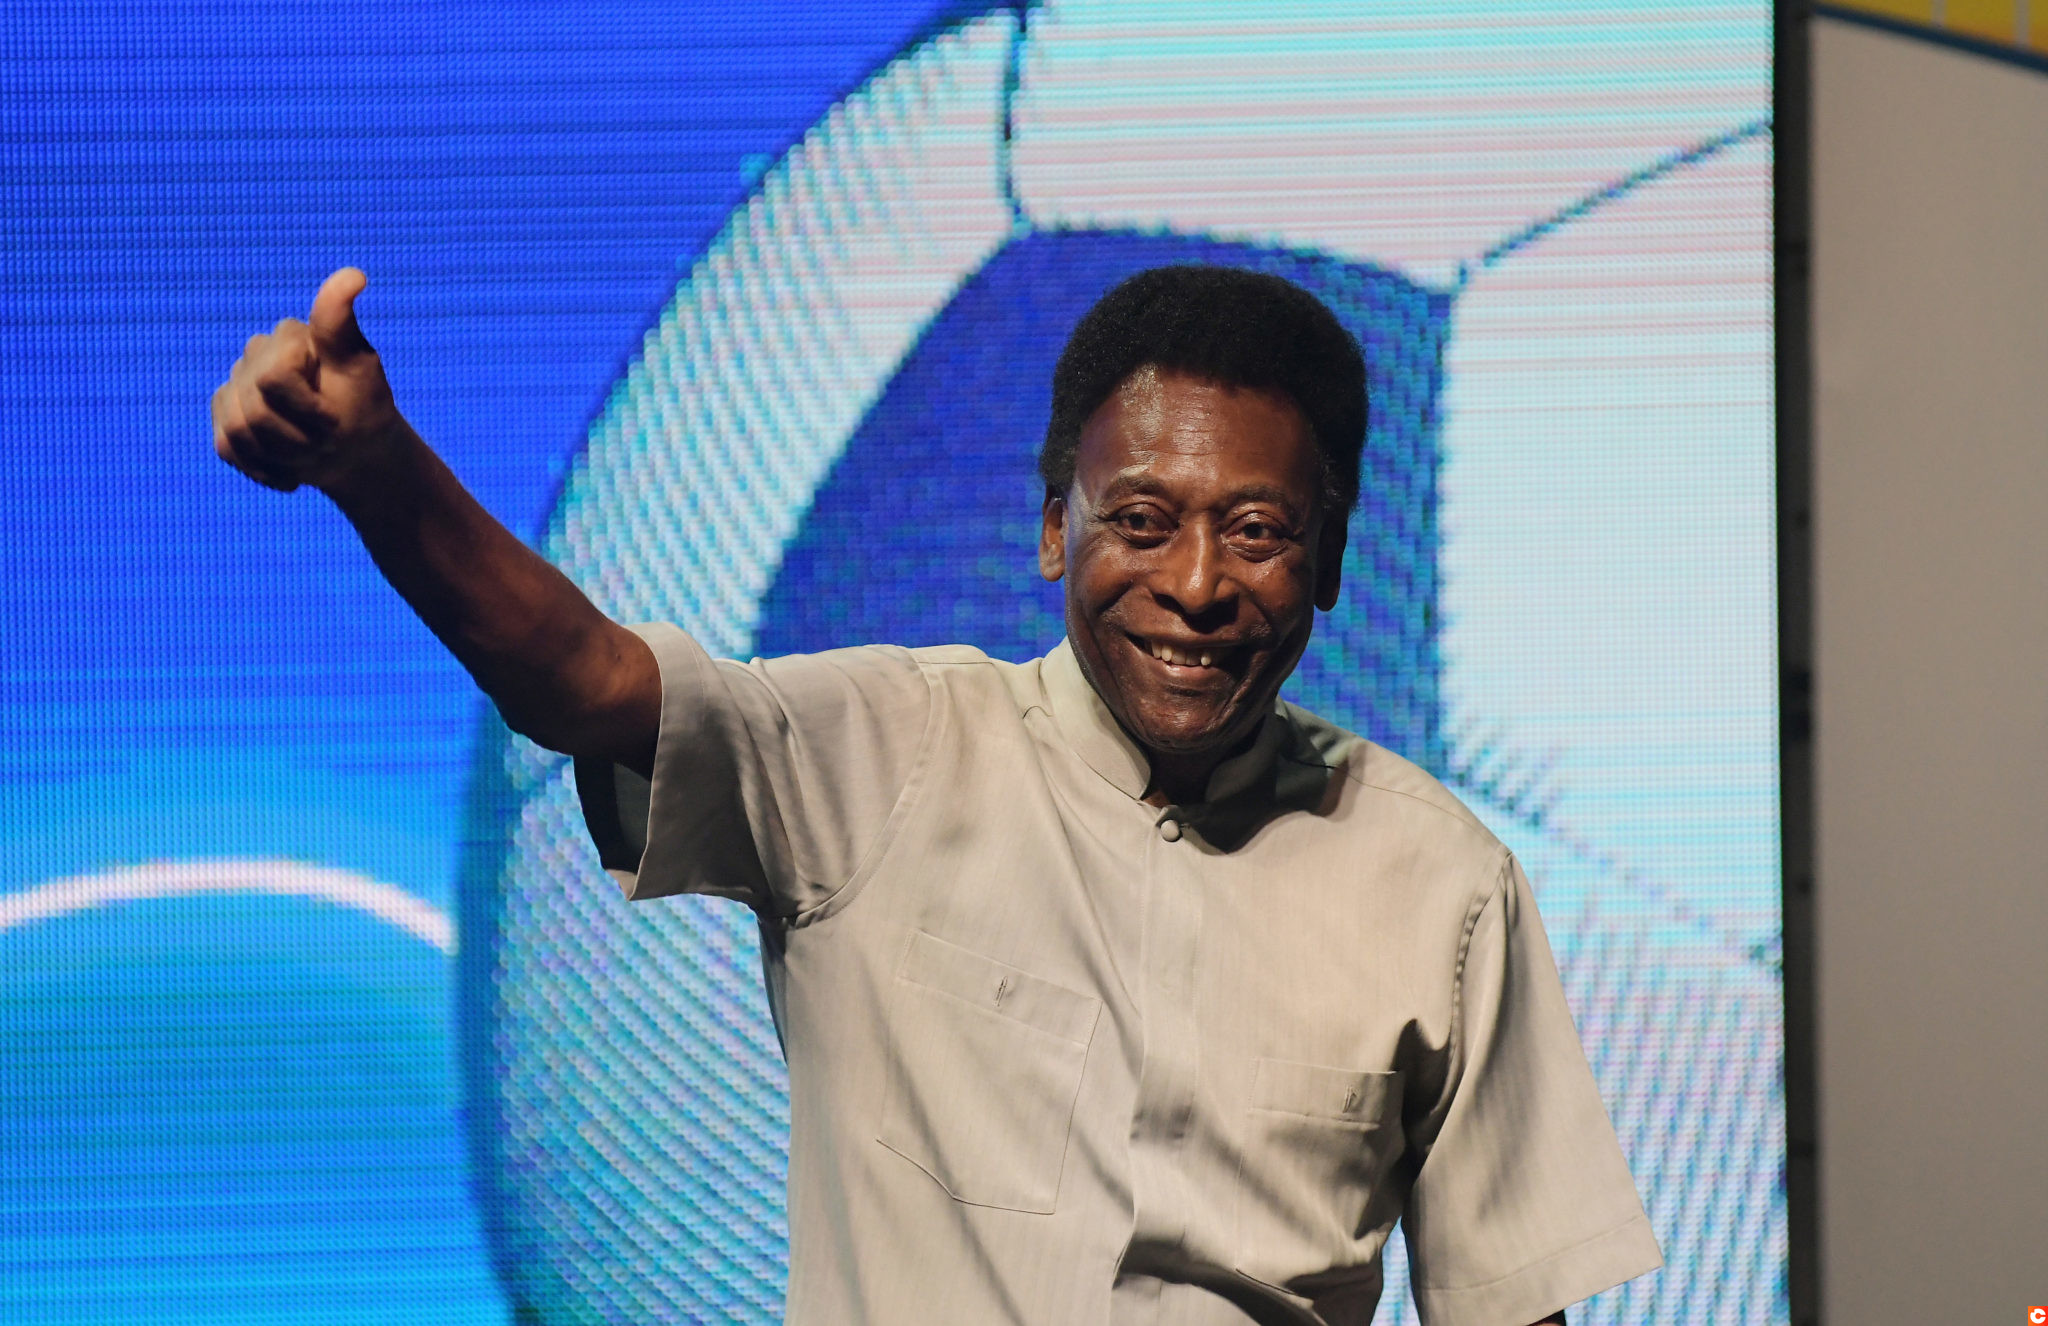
<point>333,318</point>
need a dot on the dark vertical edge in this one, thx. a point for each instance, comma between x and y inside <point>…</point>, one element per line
<point>1793,252</point>
<point>490,810</point>
<point>1006,143</point>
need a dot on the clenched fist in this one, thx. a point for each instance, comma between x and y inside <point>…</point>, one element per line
<point>307,403</point>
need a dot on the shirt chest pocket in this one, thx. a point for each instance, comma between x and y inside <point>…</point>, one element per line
<point>1318,1142</point>
<point>985,1065</point>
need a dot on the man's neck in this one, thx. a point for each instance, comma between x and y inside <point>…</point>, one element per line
<point>1181,778</point>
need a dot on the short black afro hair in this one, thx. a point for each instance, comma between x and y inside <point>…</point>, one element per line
<point>1229,326</point>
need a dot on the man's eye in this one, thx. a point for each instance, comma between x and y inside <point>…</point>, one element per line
<point>1137,520</point>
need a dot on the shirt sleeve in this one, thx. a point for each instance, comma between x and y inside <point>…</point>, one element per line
<point>1523,1203</point>
<point>773,780</point>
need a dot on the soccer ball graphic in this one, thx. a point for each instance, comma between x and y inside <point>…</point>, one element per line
<point>1546,231</point>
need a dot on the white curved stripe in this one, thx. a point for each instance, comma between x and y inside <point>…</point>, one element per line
<point>172,879</point>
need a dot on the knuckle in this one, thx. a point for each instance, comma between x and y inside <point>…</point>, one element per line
<point>271,433</point>
<point>280,383</point>
<point>247,405</point>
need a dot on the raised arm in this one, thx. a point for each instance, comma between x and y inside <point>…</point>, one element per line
<point>308,404</point>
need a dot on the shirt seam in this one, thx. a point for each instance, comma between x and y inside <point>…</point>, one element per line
<point>1464,821</point>
<point>1450,815</point>
<point>1482,897</point>
<point>1353,774</point>
<point>905,804</point>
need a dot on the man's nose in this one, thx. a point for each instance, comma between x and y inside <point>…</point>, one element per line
<point>1196,576</point>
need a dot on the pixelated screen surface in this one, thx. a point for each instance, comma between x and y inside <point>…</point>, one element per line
<point>317,1004</point>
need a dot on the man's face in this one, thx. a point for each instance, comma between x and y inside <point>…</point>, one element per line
<point>1195,549</point>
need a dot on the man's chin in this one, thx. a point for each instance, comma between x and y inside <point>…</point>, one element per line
<point>1191,734</point>
<point>1208,718</point>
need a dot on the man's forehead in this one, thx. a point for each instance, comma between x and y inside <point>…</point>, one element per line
<point>1154,392</point>
<point>1175,435</point>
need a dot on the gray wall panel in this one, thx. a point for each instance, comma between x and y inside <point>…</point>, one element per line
<point>1930,316</point>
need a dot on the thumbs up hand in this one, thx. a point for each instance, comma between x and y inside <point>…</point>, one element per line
<point>308,403</point>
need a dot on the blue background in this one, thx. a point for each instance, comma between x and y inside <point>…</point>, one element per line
<point>238,1107</point>
<point>243,1108</point>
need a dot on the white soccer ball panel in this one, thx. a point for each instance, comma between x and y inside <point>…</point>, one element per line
<point>1411,135</point>
<point>1607,568</point>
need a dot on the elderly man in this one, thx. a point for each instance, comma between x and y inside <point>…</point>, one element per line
<point>1113,988</point>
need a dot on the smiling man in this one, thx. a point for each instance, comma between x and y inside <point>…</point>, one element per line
<point>1113,989</point>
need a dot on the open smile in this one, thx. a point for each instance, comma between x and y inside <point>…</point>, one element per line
<point>1194,658</point>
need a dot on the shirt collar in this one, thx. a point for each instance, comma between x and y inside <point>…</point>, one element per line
<point>1101,742</point>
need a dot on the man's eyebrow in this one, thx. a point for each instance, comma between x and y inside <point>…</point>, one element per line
<point>1133,483</point>
<point>1137,483</point>
<point>1264,492</point>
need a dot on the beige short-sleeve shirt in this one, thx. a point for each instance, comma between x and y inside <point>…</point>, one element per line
<point>1060,1057</point>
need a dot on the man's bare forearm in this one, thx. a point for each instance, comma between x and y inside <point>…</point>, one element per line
<point>561,672</point>
<point>308,404</point>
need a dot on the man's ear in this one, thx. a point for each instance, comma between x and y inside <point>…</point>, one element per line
<point>1330,541</point>
<point>1052,538</point>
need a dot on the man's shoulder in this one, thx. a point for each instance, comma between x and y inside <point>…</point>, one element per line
<point>939,656</point>
<point>973,673</point>
<point>875,659</point>
<point>960,677</point>
<point>1377,772</point>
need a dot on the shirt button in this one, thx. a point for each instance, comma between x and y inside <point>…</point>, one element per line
<point>1170,830</point>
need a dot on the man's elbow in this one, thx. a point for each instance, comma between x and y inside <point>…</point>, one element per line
<point>605,705</point>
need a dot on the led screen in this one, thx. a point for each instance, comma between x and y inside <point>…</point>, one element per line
<point>315,1001</point>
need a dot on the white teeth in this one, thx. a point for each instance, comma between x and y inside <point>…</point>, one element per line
<point>1185,658</point>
